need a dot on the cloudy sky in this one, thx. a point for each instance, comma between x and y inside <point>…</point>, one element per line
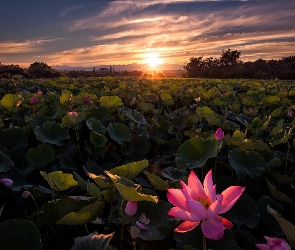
<point>105,32</point>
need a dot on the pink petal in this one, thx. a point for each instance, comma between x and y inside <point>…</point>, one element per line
<point>176,198</point>
<point>186,226</point>
<point>196,187</point>
<point>197,209</point>
<point>212,229</point>
<point>285,245</point>
<point>226,223</point>
<point>230,197</point>
<point>183,215</point>
<point>141,226</point>
<point>214,208</point>
<point>131,208</point>
<point>263,246</point>
<point>208,187</point>
<point>187,192</point>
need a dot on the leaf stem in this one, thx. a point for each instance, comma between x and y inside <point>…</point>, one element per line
<point>122,228</point>
<point>204,242</point>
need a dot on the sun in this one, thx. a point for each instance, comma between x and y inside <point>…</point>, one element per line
<point>153,60</point>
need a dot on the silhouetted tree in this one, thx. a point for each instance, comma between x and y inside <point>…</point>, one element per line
<point>42,70</point>
<point>230,57</point>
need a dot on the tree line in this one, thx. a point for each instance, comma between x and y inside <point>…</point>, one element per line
<point>229,65</point>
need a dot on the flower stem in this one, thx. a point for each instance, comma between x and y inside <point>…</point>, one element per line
<point>204,242</point>
<point>122,228</point>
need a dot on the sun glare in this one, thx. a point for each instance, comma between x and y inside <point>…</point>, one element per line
<point>153,60</point>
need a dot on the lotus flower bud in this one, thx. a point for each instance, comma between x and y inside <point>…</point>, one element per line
<point>6,182</point>
<point>131,208</point>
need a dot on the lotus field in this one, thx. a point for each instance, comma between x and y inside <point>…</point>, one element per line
<point>113,163</point>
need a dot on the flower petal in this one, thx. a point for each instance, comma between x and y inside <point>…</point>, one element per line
<point>197,209</point>
<point>176,198</point>
<point>212,229</point>
<point>226,223</point>
<point>230,197</point>
<point>131,208</point>
<point>214,208</point>
<point>187,192</point>
<point>263,246</point>
<point>183,215</point>
<point>208,187</point>
<point>196,186</point>
<point>186,226</point>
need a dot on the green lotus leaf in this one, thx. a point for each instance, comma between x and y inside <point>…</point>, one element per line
<point>270,99</point>
<point>278,194</point>
<point>160,223</point>
<point>167,99</point>
<point>66,96</point>
<point>134,115</point>
<point>246,163</point>
<point>41,155</point>
<point>9,101</point>
<point>128,190</point>
<point>281,179</point>
<point>278,128</point>
<point>100,113</point>
<point>38,120</point>
<point>146,107</point>
<point>68,120</point>
<point>82,216</point>
<point>77,100</point>
<point>59,181</point>
<point>93,190</point>
<point>19,234</point>
<point>194,152</point>
<point>93,241</point>
<point>119,132</point>
<point>96,126</point>
<point>101,180</point>
<point>110,101</point>
<point>52,133</point>
<point>202,111</point>
<point>98,140</point>
<point>157,182</point>
<point>5,162</point>
<point>245,211</point>
<point>130,170</point>
<point>277,112</point>
<point>14,139</point>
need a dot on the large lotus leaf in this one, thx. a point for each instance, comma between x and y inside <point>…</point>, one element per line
<point>100,113</point>
<point>173,174</point>
<point>130,170</point>
<point>41,155</point>
<point>194,238</point>
<point>281,179</point>
<point>101,180</point>
<point>246,163</point>
<point>9,101</point>
<point>19,234</point>
<point>194,152</point>
<point>119,132</point>
<point>270,99</point>
<point>66,96</point>
<point>157,182</point>
<point>245,211</point>
<point>82,216</point>
<point>128,189</point>
<point>202,111</point>
<point>38,120</point>
<point>93,241</point>
<point>281,137</point>
<point>110,101</point>
<point>146,107</point>
<point>59,181</point>
<point>96,126</point>
<point>5,162</point>
<point>69,120</point>
<point>212,120</point>
<point>134,115</point>
<point>93,190</point>
<point>278,128</point>
<point>160,223</point>
<point>276,112</point>
<point>167,99</point>
<point>98,140</point>
<point>52,133</point>
<point>14,139</point>
<point>77,100</point>
<point>287,226</point>
<point>278,194</point>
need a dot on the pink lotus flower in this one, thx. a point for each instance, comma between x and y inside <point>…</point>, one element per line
<point>290,113</point>
<point>26,194</point>
<point>39,92</point>
<point>196,204</point>
<point>219,134</point>
<point>6,182</point>
<point>73,114</point>
<point>274,244</point>
<point>250,110</point>
<point>33,100</point>
<point>131,208</point>
<point>87,99</point>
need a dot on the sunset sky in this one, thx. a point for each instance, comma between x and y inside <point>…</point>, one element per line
<point>93,33</point>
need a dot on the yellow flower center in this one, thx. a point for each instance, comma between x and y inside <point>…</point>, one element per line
<point>204,202</point>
